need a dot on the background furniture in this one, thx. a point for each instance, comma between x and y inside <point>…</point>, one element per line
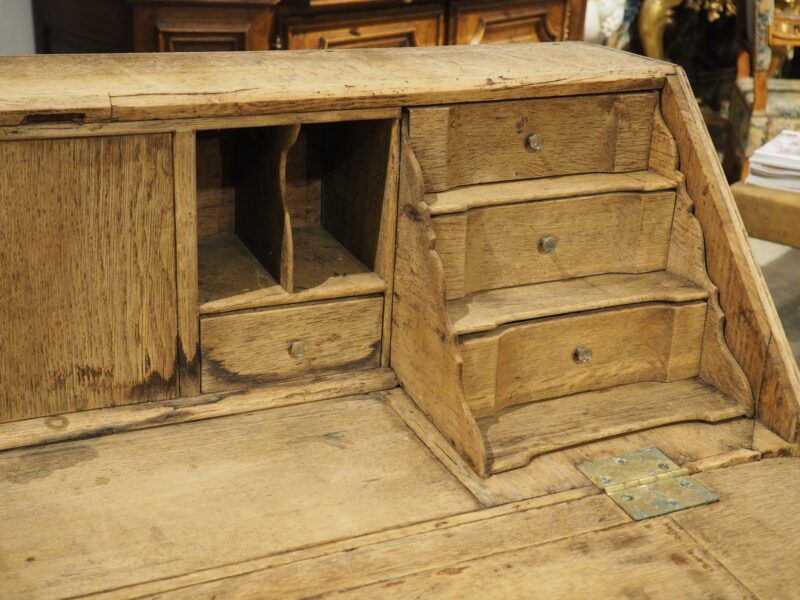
<point>67,26</point>
<point>769,214</point>
<point>762,105</point>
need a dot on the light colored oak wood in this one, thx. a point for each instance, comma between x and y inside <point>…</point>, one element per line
<point>119,510</point>
<point>205,85</point>
<point>231,278</point>
<point>697,444</point>
<point>644,560</point>
<point>442,549</point>
<point>769,214</point>
<point>257,347</point>
<point>687,259</point>
<point>663,150</point>
<point>58,130</point>
<point>516,435</point>
<point>500,246</point>
<point>465,144</point>
<point>117,419</point>
<point>263,221</point>
<point>536,360</point>
<point>253,577</point>
<point>484,311</point>
<point>88,260</point>
<point>185,177</point>
<point>547,188</point>
<point>432,377</point>
<point>755,530</point>
<point>324,268</point>
<point>751,319</point>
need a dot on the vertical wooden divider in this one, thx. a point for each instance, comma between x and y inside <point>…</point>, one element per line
<point>263,221</point>
<point>424,351</point>
<point>185,173</point>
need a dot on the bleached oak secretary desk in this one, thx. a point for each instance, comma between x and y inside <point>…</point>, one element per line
<point>306,270</point>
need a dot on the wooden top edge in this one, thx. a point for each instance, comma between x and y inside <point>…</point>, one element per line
<point>132,87</point>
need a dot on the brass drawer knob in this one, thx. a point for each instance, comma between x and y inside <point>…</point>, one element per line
<point>583,355</point>
<point>298,349</point>
<point>535,142</point>
<point>548,244</point>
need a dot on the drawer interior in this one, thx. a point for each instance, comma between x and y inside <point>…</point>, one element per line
<point>292,213</point>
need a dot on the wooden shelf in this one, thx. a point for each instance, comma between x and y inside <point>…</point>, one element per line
<point>487,310</point>
<point>546,188</point>
<point>231,278</point>
<point>515,436</point>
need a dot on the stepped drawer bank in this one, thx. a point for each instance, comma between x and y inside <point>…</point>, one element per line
<point>533,245</point>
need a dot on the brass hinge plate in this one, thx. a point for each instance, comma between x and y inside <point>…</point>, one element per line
<point>646,483</point>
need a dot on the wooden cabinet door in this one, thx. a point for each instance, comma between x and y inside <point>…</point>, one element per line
<point>506,22</point>
<point>87,263</point>
<point>392,29</point>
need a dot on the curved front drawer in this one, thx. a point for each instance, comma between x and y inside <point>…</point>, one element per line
<point>548,358</point>
<point>519,244</point>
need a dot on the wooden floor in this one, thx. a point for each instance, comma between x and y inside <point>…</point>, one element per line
<point>341,498</point>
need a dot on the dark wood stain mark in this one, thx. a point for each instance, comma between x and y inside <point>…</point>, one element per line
<point>43,462</point>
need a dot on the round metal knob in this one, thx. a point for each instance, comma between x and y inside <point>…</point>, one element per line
<point>548,244</point>
<point>535,142</point>
<point>583,355</point>
<point>298,349</point>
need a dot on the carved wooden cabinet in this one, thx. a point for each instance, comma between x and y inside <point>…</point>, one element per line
<point>262,281</point>
<point>224,25</point>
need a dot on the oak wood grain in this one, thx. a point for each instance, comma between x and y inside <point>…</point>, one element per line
<point>536,360</point>
<point>517,434</point>
<point>88,255</point>
<point>256,347</point>
<point>424,349</point>
<point>466,144</point>
<point>194,85</point>
<point>546,188</point>
<point>500,246</point>
<point>484,311</point>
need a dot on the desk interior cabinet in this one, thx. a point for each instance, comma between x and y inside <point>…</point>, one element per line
<point>305,218</point>
<point>64,26</point>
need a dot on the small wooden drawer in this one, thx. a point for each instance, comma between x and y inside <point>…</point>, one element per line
<point>518,244</point>
<point>465,144</point>
<point>262,346</point>
<point>507,21</point>
<point>387,30</point>
<point>553,357</point>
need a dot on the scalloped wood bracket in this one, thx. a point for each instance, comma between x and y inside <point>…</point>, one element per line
<point>752,329</point>
<point>424,352</point>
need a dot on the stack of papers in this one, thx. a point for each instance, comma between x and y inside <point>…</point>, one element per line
<point>777,163</point>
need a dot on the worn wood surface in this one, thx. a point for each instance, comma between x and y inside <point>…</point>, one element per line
<point>516,435</point>
<point>100,514</point>
<point>186,271</point>
<point>754,532</point>
<point>192,85</point>
<point>500,246</point>
<point>769,214</point>
<point>262,220</point>
<point>685,443</point>
<point>484,311</point>
<point>547,188</point>
<point>118,419</point>
<point>255,347</point>
<point>88,264</point>
<point>751,319</point>
<point>536,360</point>
<point>231,278</point>
<point>424,346</point>
<point>687,258</point>
<point>465,144</point>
